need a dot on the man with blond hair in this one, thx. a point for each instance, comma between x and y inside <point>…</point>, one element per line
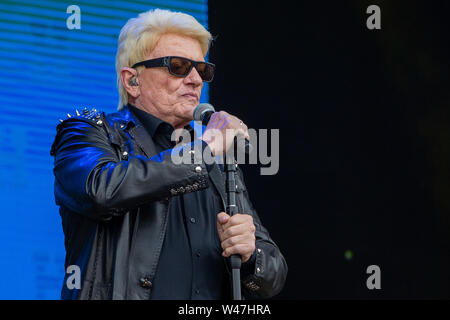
<point>138,225</point>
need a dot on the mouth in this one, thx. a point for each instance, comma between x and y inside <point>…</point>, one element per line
<point>191,96</point>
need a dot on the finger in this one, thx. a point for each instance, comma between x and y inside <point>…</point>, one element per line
<point>237,219</point>
<point>243,128</point>
<point>223,217</point>
<point>220,230</point>
<point>222,119</point>
<point>236,121</point>
<point>243,132</point>
<point>233,241</point>
<point>240,126</point>
<point>236,230</point>
<point>217,121</point>
<point>242,249</point>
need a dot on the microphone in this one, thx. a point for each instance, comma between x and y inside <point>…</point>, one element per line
<point>203,113</point>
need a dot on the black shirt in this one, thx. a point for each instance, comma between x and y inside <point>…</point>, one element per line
<point>191,265</point>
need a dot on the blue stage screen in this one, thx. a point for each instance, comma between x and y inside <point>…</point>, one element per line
<point>47,71</point>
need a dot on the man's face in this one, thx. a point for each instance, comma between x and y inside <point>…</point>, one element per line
<point>167,97</point>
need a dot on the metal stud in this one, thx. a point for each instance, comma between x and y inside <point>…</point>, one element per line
<point>78,113</point>
<point>69,115</point>
<point>99,122</point>
<point>60,120</point>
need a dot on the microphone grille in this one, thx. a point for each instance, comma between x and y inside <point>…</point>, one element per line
<point>201,109</point>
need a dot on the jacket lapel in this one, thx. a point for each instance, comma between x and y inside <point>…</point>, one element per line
<point>217,178</point>
<point>143,140</point>
<point>129,123</point>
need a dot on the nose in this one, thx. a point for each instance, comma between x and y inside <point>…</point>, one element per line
<point>193,78</point>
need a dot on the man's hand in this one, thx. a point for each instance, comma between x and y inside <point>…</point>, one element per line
<point>221,130</point>
<point>237,234</point>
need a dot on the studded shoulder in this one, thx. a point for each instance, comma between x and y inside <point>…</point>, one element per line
<point>92,114</point>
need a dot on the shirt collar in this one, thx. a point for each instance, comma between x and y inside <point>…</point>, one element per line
<point>152,123</point>
<point>149,121</point>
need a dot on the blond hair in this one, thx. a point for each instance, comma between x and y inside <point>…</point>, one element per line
<point>139,36</point>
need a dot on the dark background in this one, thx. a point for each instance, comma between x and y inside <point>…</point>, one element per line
<point>364,138</point>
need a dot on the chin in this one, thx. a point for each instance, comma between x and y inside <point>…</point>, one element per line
<point>186,112</point>
<point>189,107</point>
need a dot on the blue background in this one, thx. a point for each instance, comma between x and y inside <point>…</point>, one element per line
<point>47,71</point>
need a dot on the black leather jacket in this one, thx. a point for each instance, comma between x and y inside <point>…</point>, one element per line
<point>106,176</point>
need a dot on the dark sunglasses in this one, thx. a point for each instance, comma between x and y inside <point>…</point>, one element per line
<point>180,66</point>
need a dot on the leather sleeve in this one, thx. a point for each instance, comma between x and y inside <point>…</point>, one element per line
<point>269,268</point>
<point>91,179</point>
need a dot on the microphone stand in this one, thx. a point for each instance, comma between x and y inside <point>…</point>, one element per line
<point>235,259</point>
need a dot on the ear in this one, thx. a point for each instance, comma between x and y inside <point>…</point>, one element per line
<point>130,81</point>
